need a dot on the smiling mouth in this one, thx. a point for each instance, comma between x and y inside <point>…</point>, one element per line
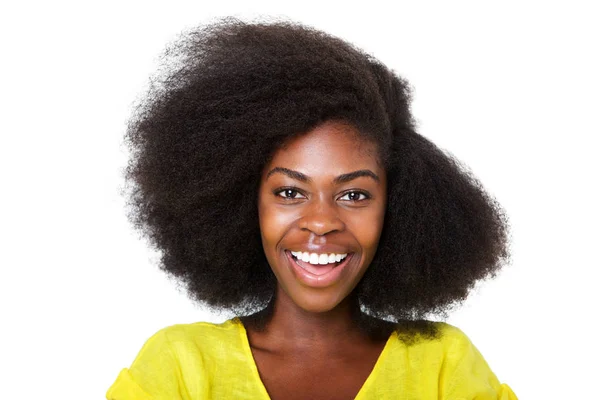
<point>318,269</point>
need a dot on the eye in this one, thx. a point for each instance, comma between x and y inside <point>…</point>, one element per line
<point>288,193</point>
<point>355,196</point>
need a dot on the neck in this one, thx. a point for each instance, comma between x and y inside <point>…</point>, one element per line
<point>289,325</point>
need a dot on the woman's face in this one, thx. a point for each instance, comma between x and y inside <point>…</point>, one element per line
<point>321,204</point>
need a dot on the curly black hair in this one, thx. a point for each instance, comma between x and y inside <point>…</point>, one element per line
<point>232,94</point>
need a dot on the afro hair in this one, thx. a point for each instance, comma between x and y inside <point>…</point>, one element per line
<point>232,94</point>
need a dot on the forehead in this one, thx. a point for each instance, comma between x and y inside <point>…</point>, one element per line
<point>332,148</point>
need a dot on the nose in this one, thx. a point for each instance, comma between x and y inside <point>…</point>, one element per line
<point>321,218</point>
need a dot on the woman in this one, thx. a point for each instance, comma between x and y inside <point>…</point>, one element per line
<point>278,170</point>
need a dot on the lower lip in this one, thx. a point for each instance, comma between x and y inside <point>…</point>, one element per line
<point>318,281</point>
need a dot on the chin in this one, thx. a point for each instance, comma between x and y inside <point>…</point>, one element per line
<point>316,303</point>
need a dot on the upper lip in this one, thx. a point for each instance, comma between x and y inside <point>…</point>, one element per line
<point>327,249</point>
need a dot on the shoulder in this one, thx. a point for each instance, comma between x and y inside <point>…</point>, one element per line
<point>198,332</point>
<point>178,342</point>
<point>453,337</point>
<point>426,333</point>
<point>450,343</point>
<point>465,372</point>
<point>174,360</point>
<point>443,345</point>
<point>459,349</point>
<point>448,362</point>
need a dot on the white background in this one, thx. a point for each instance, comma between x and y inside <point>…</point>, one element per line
<point>512,89</point>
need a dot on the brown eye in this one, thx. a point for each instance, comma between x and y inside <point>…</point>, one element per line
<point>290,194</point>
<point>354,196</point>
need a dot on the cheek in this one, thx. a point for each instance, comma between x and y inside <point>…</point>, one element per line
<point>369,237</point>
<point>268,229</point>
<point>272,226</point>
<point>367,228</point>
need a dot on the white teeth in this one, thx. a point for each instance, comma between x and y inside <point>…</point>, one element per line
<point>319,259</point>
<point>314,258</point>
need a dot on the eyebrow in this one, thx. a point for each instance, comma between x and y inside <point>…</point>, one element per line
<point>350,176</point>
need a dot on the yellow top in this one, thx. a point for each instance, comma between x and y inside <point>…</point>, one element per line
<point>214,361</point>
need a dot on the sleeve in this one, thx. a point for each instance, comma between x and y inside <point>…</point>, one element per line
<point>470,377</point>
<point>153,375</point>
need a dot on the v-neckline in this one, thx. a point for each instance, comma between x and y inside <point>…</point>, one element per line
<point>256,376</point>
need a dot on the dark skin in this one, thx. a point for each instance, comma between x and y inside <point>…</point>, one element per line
<point>305,366</point>
<point>311,347</point>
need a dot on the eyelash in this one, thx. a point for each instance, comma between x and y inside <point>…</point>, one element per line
<point>278,192</point>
